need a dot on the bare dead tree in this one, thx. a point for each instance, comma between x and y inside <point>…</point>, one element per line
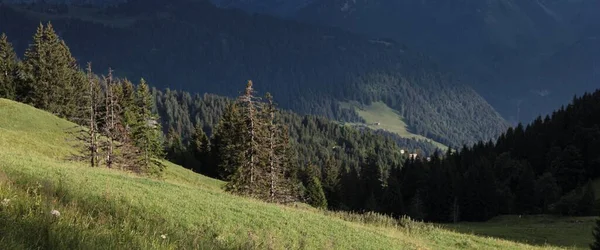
<point>110,118</point>
<point>87,137</point>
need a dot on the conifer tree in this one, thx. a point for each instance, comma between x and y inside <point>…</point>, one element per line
<point>129,108</point>
<point>8,69</point>
<point>314,193</point>
<point>52,80</point>
<point>200,149</point>
<point>226,143</point>
<point>147,131</point>
<point>279,156</point>
<point>246,179</point>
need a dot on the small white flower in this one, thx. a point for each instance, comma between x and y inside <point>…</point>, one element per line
<point>5,202</point>
<point>55,213</point>
<point>164,236</point>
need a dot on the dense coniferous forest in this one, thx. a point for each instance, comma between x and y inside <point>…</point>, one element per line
<point>196,47</point>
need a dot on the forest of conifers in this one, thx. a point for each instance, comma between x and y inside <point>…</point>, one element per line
<point>544,167</point>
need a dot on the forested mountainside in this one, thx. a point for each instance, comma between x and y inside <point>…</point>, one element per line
<point>68,2</point>
<point>503,47</point>
<point>194,46</point>
<point>278,7</point>
<point>544,167</point>
<point>316,140</point>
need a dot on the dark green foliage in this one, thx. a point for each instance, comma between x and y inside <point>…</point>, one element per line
<point>586,204</point>
<point>146,131</point>
<point>525,193</point>
<point>174,148</point>
<point>51,77</point>
<point>226,148</point>
<point>596,233</point>
<point>479,200</point>
<point>9,66</point>
<point>199,147</point>
<point>548,191</point>
<point>314,193</point>
<point>539,168</point>
<point>392,202</point>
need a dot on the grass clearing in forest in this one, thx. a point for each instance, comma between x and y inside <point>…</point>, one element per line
<point>379,116</point>
<point>109,209</point>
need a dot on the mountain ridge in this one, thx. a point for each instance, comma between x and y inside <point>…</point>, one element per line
<point>309,68</point>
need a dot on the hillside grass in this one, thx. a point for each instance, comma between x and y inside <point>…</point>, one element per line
<point>109,209</point>
<point>571,232</point>
<point>389,120</point>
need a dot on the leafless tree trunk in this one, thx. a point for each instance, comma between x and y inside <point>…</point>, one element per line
<point>93,125</point>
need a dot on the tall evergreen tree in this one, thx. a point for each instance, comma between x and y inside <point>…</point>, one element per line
<point>246,180</point>
<point>9,65</point>
<point>200,149</point>
<point>53,81</point>
<point>147,131</point>
<point>314,193</point>
<point>280,160</point>
<point>226,143</point>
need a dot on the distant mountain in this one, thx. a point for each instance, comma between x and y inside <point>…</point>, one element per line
<point>194,46</point>
<point>499,46</point>
<point>70,2</point>
<point>277,7</point>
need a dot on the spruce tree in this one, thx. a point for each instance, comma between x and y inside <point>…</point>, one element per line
<point>147,131</point>
<point>314,193</point>
<point>33,69</point>
<point>280,159</point>
<point>226,143</point>
<point>247,178</point>
<point>52,80</point>
<point>200,149</point>
<point>8,69</point>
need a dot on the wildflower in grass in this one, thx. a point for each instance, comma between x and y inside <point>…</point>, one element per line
<point>164,236</point>
<point>5,202</point>
<point>55,213</point>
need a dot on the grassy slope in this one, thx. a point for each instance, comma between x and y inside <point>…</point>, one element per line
<point>538,230</point>
<point>108,209</point>
<point>389,120</point>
